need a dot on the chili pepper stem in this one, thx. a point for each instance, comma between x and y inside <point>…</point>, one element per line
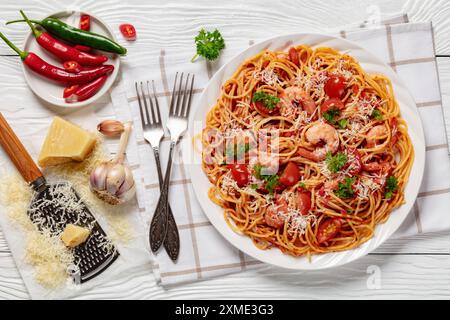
<point>22,20</point>
<point>21,53</point>
<point>194,57</point>
<point>36,33</point>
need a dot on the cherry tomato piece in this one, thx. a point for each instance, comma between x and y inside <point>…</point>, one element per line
<point>128,31</point>
<point>240,174</point>
<point>335,86</point>
<point>304,202</point>
<point>330,104</point>
<point>290,175</point>
<point>328,230</point>
<point>262,109</point>
<point>293,56</point>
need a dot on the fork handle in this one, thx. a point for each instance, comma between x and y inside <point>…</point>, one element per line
<point>158,226</point>
<point>172,239</point>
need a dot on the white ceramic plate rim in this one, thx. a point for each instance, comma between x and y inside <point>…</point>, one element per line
<point>409,112</point>
<point>38,92</point>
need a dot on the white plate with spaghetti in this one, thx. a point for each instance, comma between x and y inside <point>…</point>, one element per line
<point>355,163</point>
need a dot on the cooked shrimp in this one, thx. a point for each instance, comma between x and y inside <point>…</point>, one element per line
<point>275,215</point>
<point>323,135</point>
<point>293,95</point>
<point>377,166</point>
<point>375,134</point>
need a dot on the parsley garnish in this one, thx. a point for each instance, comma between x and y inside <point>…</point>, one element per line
<point>391,186</point>
<point>209,44</point>
<point>254,186</point>
<point>345,190</point>
<point>271,180</point>
<point>269,101</point>
<point>337,162</point>
<point>376,114</point>
<point>343,123</point>
<point>331,114</point>
<point>302,185</point>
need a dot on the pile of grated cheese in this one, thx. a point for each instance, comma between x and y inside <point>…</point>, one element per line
<point>45,251</point>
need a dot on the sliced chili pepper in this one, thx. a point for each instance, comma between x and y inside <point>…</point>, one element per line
<point>74,35</point>
<point>81,48</point>
<point>128,31</point>
<point>69,91</point>
<point>50,71</point>
<point>72,66</point>
<point>87,90</point>
<point>62,50</point>
<point>85,22</point>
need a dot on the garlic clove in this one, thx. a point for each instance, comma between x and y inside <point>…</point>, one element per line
<point>115,177</point>
<point>98,177</point>
<point>128,195</point>
<point>128,182</point>
<point>110,128</point>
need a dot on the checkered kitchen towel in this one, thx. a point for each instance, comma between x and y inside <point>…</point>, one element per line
<point>407,47</point>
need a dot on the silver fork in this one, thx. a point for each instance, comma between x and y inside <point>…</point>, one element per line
<point>177,123</point>
<point>153,133</point>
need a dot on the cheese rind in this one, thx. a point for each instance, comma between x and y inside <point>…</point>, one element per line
<point>65,142</point>
<point>73,235</point>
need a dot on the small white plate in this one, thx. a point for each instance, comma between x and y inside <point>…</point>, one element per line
<point>51,91</point>
<point>370,64</point>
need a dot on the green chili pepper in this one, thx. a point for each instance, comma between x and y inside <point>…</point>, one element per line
<point>77,36</point>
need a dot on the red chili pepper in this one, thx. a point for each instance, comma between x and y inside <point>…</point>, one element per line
<point>85,22</point>
<point>82,48</point>
<point>62,50</point>
<point>128,31</point>
<point>87,90</point>
<point>68,91</point>
<point>72,66</point>
<point>50,71</point>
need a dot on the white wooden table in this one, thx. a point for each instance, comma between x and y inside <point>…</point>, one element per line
<point>417,267</point>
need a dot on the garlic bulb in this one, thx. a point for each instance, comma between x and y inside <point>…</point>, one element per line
<point>112,181</point>
<point>110,128</point>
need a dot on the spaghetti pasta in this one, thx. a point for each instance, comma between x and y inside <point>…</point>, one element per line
<point>305,151</point>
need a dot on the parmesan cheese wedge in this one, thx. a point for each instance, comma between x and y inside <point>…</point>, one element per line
<point>73,235</point>
<point>65,142</point>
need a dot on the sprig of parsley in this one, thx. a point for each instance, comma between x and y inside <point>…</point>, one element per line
<point>269,101</point>
<point>345,190</point>
<point>331,114</point>
<point>336,162</point>
<point>376,114</point>
<point>271,181</point>
<point>209,44</point>
<point>391,187</point>
<point>343,123</point>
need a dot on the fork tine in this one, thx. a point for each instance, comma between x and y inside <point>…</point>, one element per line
<point>151,104</point>
<point>172,100</point>
<point>188,107</point>
<point>183,104</point>
<point>179,95</point>
<point>145,105</point>
<point>140,106</point>
<point>156,102</point>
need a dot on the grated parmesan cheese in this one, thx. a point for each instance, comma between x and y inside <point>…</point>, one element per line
<point>51,259</point>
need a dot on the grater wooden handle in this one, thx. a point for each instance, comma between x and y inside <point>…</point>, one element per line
<point>17,153</point>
